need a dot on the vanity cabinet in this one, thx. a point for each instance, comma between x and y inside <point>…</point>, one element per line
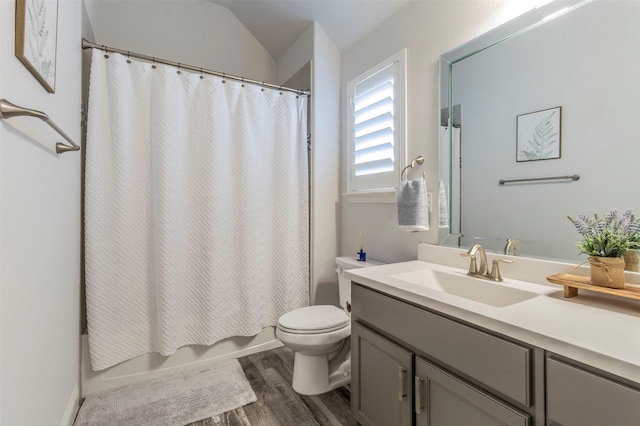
<point>578,395</point>
<point>412,366</point>
<point>385,384</point>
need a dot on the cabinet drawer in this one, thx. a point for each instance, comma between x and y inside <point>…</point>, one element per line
<point>499,364</point>
<point>579,397</point>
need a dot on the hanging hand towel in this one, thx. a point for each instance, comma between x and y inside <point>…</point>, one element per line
<point>412,203</point>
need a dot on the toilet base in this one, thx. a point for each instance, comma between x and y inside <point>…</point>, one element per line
<point>317,374</point>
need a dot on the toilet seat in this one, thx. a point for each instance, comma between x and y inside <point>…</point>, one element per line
<point>314,320</point>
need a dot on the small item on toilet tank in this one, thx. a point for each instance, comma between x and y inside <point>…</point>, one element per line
<point>362,256</point>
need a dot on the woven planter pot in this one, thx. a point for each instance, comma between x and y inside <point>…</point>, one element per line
<point>607,271</point>
<point>631,258</point>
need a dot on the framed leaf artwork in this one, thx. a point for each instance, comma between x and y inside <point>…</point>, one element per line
<point>538,135</point>
<point>36,39</point>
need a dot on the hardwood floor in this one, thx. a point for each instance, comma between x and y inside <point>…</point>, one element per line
<point>278,404</point>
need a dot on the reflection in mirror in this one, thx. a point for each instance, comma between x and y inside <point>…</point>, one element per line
<point>586,61</point>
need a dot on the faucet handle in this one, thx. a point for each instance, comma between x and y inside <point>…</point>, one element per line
<point>473,267</point>
<point>495,269</point>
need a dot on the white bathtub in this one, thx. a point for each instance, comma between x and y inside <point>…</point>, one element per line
<point>154,365</point>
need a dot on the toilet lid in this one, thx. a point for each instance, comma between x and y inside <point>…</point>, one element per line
<point>314,319</point>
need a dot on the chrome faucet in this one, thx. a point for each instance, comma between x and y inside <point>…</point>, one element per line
<point>482,271</point>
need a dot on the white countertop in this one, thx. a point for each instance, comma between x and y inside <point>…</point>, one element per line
<point>595,329</point>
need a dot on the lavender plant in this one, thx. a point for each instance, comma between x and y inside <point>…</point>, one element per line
<point>608,236</point>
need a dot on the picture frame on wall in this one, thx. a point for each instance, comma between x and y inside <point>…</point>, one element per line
<point>538,135</point>
<point>36,39</point>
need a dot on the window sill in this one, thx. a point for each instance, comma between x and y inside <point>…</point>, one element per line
<point>372,197</point>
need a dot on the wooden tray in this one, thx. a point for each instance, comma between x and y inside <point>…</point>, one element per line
<point>572,283</point>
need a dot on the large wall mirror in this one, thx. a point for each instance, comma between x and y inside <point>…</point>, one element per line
<point>549,103</point>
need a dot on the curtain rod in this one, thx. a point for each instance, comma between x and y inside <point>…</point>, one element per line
<point>86,44</point>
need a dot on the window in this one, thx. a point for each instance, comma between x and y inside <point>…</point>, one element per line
<point>376,127</point>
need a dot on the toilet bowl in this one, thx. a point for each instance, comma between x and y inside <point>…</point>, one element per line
<point>320,337</point>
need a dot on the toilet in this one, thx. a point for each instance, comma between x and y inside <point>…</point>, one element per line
<point>320,337</point>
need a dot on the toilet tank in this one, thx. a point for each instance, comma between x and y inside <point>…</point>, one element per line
<point>344,284</point>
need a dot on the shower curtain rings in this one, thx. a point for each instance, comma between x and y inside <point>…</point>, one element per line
<point>201,76</point>
<point>262,84</point>
<point>242,81</point>
<point>106,51</point>
<point>223,76</point>
<point>179,65</point>
<point>153,62</point>
<point>128,57</point>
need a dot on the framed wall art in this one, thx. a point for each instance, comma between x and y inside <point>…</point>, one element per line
<point>36,39</point>
<point>538,135</point>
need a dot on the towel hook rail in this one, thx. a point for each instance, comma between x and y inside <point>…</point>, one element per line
<point>9,110</point>
<point>419,160</point>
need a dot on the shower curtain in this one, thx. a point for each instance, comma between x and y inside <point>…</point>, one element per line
<point>196,208</point>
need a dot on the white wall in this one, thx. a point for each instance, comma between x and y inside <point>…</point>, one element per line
<point>296,56</point>
<point>315,45</point>
<point>198,33</point>
<point>326,159</point>
<point>40,234</point>
<point>427,29</point>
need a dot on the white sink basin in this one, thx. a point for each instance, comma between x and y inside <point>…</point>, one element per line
<point>472,288</point>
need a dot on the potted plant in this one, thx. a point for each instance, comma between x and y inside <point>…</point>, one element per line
<point>606,239</point>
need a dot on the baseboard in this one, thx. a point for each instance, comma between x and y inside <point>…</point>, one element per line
<point>154,365</point>
<point>72,407</point>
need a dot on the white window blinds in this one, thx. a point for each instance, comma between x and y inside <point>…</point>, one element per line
<point>376,127</point>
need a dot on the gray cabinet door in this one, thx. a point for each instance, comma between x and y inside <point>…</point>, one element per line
<point>444,400</point>
<point>576,397</point>
<point>381,379</point>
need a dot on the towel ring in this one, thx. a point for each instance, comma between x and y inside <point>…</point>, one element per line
<point>418,160</point>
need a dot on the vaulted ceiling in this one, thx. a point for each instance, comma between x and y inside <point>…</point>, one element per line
<point>277,24</point>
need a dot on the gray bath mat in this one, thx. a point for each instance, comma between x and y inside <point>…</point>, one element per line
<point>172,400</point>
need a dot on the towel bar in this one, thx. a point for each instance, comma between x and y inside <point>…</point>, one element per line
<point>9,110</point>
<point>572,177</point>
